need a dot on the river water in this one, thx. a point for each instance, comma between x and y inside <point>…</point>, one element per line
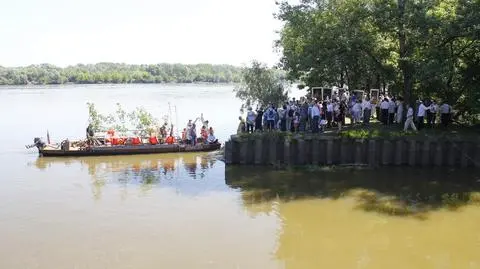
<point>189,211</point>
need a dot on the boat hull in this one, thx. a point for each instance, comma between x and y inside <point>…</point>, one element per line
<point>128,150</point>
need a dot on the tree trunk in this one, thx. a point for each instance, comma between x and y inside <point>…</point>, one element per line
<point>405,61</point>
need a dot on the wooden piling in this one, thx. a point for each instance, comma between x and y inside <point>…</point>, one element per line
<point>258,151</point>
<point>412,147</point>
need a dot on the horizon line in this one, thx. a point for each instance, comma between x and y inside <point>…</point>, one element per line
<point>124,63</point>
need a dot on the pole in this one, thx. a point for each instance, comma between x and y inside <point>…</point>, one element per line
<point>176,121</point>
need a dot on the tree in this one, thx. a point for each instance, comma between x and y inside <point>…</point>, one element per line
<point>417,49</point>
<point>261,86</point>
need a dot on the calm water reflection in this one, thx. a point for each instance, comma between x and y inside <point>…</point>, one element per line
<point>187,211</point>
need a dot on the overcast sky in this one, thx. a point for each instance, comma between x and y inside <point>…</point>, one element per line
<point>66,32</point>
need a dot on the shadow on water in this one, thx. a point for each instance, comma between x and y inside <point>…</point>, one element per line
<point>179,171</point>
<point>393,191</point>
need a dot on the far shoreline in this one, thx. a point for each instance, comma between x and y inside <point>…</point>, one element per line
<point>115,84</point>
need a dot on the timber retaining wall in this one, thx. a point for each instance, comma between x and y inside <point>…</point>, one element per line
<point>324,150</point>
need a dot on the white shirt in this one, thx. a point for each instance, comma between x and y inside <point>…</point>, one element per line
<point>410,112</point>
<point>391,107</point>
<point>433,108</point>
<point>330,107</point>
<point>250,116</point>
<point>357,107</point>
<point>421,110</point>
<point>211,138</point>
<point>445,109</point>
<point>315,111</point>
<point>384,105</point>
<point>367,105</point>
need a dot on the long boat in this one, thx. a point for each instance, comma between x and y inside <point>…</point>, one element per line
<point>46,150</point>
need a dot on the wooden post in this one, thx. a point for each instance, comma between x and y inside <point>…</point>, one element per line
<point>329,151</point>
<point>398,152</point>
<point>286,152</point>
<point>412,152</point>
<point>426,153</point>
<point>344,150</point>
<point>464,155</point>
<point>358,151</point>
<point>301,152</point>
<point>243,151</point>
<point>228,152</point>
<point>439,153</point>
<point>452,152</point>
<point>315,151</point>
<point>477,156</point>
<point>272,149</point>
<point>258,151</point>
<point>386,152</point>
<point>372,153</point>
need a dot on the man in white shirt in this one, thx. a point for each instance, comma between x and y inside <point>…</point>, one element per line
<point>409,121</point>
<point>422,110</point>
<point>315,117</point>
<point>384,108</point>
<point>391,111</point>
<point>445,113</point>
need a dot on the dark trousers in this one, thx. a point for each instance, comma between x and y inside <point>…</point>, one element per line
<point>445,119</point>
<point>329,119</point>
<point>303,124</point>
<point>270,124</point>
<point>249,128</point>
<point>315,124</point>
<point>429,119</point>
<point>385,116</point>
<point>391,117</point>
<point>366,116</point>
<point>420,122</point>
<point>258,125</point>
<point>283,125</point>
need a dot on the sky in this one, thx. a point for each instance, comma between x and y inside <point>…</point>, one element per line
<point>67,32</point>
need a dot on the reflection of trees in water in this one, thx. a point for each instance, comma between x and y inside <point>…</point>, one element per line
<point>316,231</point>
<point>146,171</point>
<point>394,191</point>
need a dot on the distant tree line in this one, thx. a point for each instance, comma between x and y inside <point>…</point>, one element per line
<point>119,73</point>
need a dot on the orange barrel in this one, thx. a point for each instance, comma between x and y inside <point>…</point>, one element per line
<point>153,140</point>
<point>135,141</point>
<point>170,140</point>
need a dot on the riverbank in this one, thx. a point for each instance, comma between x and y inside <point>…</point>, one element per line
<point>371,147</point>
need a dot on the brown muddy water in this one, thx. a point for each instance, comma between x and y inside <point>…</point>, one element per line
<point>189,211</point>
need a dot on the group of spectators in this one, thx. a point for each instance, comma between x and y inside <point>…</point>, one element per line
<point>310,115</point>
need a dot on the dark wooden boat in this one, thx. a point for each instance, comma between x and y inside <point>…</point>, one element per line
<point>127,150</point>
<point>46,150</point>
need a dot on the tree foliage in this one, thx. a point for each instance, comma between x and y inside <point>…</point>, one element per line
<point>428,48</point>
<point>262,86</point>
<point>119,73</point>
<point>139,121</point>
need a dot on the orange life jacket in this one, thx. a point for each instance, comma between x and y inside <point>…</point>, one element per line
<point>135,141</point>
<point>170,140</point>
<point>153,140</point>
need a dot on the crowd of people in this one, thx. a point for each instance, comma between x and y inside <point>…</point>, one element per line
<point>189,134</point>
<point>163,135</point>
<point>316,116</point>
